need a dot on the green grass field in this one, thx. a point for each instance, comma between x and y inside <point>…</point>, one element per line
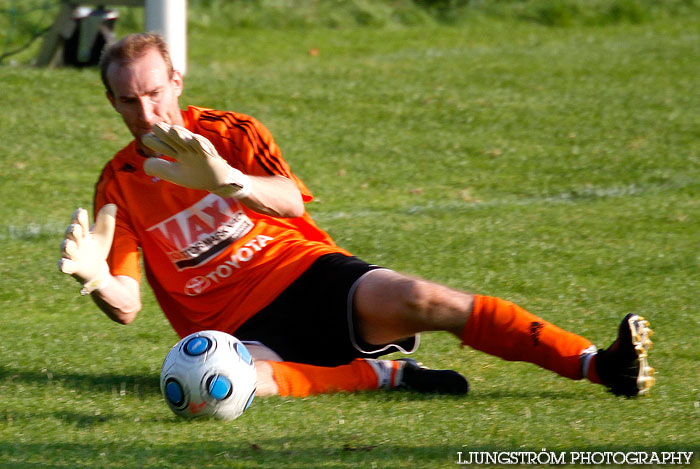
<point>555,166</point>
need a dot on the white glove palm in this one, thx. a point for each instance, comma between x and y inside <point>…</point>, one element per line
<point>198,166</point>
<point>84,250</point>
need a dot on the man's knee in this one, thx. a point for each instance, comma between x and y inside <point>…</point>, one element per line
<point>260,351</point>
<point>266,384</point>
<point>408,305</point>
<point>432,306</point>
<point>390,293</point>
<point>415,296</point>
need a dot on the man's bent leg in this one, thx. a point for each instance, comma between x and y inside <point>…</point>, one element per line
<point>389,306</point>
<point>301,380</point>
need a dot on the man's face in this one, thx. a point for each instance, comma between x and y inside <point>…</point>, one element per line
<point>144,94</point>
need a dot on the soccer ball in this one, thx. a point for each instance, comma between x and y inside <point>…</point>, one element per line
<point>208,373</point>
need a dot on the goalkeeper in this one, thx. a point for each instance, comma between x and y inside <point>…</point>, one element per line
<point>219,217</point>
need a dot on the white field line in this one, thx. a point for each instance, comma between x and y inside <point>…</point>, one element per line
<point>586,194</point>
<point>32,230</point>
<point>35,230</point>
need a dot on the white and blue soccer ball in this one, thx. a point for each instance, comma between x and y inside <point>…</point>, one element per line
<point>208,373</point>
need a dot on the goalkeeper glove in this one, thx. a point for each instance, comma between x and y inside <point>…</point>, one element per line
<point>84,250</point>
<point>198,166</point>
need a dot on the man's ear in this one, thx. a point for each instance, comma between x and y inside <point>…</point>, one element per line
<point>110,97</point>
<point>178,82</point>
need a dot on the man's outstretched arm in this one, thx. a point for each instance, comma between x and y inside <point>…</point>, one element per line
<point>84,253</point>
<point>119,298</point>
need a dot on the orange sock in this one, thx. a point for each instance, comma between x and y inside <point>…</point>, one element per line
<point>301,380</point>
<point>506,330</point>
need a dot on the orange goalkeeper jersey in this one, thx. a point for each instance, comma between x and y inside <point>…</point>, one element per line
<point>212,262</point>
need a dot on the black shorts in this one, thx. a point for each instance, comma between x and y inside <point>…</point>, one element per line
<point>312,321</point>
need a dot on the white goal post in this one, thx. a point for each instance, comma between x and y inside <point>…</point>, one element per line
<point>167,17</point>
